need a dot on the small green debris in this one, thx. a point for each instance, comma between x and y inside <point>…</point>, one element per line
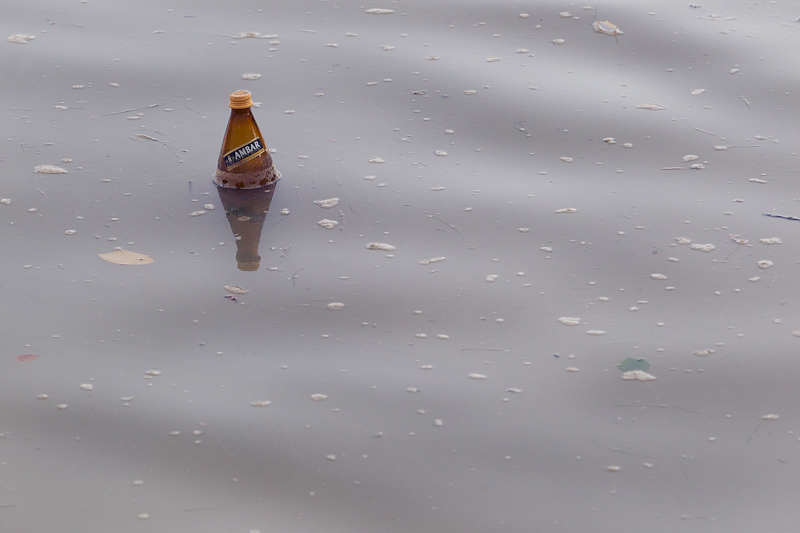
<point>633,364</point>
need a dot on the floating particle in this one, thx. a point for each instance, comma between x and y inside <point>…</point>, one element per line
<point>734,70</point>
<point>572,369</point>
<point>332,45</point>
<point>260,403</point>
<point>336,305</point>
<point>524,230</point>
<point>703,353</point>
<point>432,260</point>
<point>638,375</point>
<point>77,86</point>
<point>138,482</point>
<point>87,386</point>
<point>61,406</point>
<point>386,47</point>
<point>524,15</point>
<point>491,277</point>
<point>197,213</point>
<point>426,367</point>
<point>765,264</point>
<point>652,107</point>
<point>437,188</point>
<point>318,397</point>
<point>5,201</point>
<point>143,516</point>
<point>754,279</point>
<point>174,433</point>
<point>440,153</point>
<point>379,11</point>
<point>493,59</point>
<point>330,457</point>
<point>770,417</point>
<point>688,158</point>
<point>371,83</point>
<point>771,240</point>
<point>376,160</point>
<point>421,336</point>
<point>50,169</point>
<point>613,468</point>
<point>596,332</point>
<point>756,180</point>
<point>603,298</point>
<point>127,399</point>
<point>235,290</point>
<point>20,38</point>
<point>470,91</point>
<point>24,358</point>
<point>682,240</point>
<point>566,210</point>
<point>412,389</point>
<point>42,396</point>
<point>565,14</point>
<point>250,76</point>
<point>609,140</point>
<point>327,204</point>
<point>477,376</point>
<point>658,276</point>
<point>328,224</point>
<point>285,211</point>
<point>720,148</point>
<point>796,333</point>
<point>152,372</point>
<point>126,257</point>
<point>557,41</point>
<point>698,91</point>
<point>70,232</point>
<point>698,166</point>
<point>546,249</point>
<point>606,27</point>
<point>246,34</point>
<point>432,58</point>
<point>380,246</point>
<point>113,84</point>
<point>739,200</point>
<point>566,159</point>
<point>438,422</point>
<point>522,50</point>
<point>703,247</point>
<point>64,108</point>
<point>628,145</point>
<point>449,132</point>
<point>569,320</point>
<point>210,207</point>
<point>442,336</point>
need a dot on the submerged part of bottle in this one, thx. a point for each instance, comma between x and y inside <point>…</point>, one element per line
<point>246,211</point>
<point>244,160</point>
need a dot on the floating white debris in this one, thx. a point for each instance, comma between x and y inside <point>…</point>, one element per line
<point>152,372</point>
<point>432,260</point>
<point>319,397</point>
<point>609,140</point>
<point>327,204</point>
<point>682,240</point>
<point>438,423</point>
<point>770,417</point>
<point>596,332</point>
<point>87,386</point>
<point>569,320</point>
<point>652,107</point>
<point>522,50</point>
<point>260,403</point>
<point>285,211</point>
<point>210,207</point>
<point>174,433</point>
<point>566,210</point>
<point>628,145</point>
<point>20,38</point>
<point>70,232</point>
<point>250,76</point>
<point>491,277</point>
<point>143,516</point>
<point>330,457</point>
<point>380,246</point>
<point>638,375</point>
<point>477,376</point>
<point>42,397</point>
<point>421,336</point>
<point>658,276</point>
<point>442,336</point>
<point>386,47</point>
<point>756,180</point>
<point>50,169</point>
<point>514,390</point>
<point>246,34</point>
<point>235,290</point>
<point>493,59</point>
<point>546,249</point>
<point>703,353</point>
<point>698,91</point>
<point>470,91</point>
<point>754,279</point>
<point>688,158</point>
<point>376,160</point>
<point>426,367</point>
<point>437,188</point>
<point>5,201</point>
<point>61,406</point>
<point>734,70</point>
<point>332,45</point>
<point>328,224</point>
<point>557,41</point>
<point>336,305</point>
<point>703,247</point>
<point>524,15</point>
<point>126,257</point>
<point>572,369</point>
<point>432,58</point>
<point>197,213</point>
<point>771,240</point>
<point>606,27</point>
<point>566,159</point>
<point>720,148</point>
<point>440,153</point>
<point>765,264</point>
<point>565,14</point>
<point>613,468</point>
<point>524,230</point>
<point>379,11</point>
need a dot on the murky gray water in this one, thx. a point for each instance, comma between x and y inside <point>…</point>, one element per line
<point>410,436</point>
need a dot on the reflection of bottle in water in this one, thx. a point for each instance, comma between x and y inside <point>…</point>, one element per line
<point>244,160</point>
<point>246,210</point>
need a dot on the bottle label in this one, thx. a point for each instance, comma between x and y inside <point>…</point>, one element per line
<point>244,153</point>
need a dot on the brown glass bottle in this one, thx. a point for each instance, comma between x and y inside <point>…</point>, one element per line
<point>244,160</point>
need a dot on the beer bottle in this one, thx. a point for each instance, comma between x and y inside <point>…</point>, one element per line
<point>244,160</point>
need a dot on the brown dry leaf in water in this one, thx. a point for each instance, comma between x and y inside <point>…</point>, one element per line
<point>126,257</point>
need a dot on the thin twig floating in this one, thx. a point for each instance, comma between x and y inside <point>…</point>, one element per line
<point>780,216</point>
<point>130,110</point>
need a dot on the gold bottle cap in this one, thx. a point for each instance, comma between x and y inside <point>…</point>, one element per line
<point>240,100</point>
